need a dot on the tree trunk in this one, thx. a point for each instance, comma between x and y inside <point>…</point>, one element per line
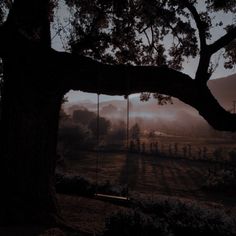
<point>30,111</point>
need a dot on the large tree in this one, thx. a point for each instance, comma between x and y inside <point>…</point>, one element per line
<point>117,48</point>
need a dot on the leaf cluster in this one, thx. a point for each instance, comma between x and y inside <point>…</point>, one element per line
<point>133,32</point>
<point>149,32</point>
<point>4,7</point>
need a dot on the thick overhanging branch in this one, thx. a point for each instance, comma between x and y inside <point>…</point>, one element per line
<point>64,71</point>
<point>81,73</point>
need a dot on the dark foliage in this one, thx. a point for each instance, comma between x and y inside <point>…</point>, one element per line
<point>165,216</point>
<point>221,180</point>
<point>134,32</point>
<point>74,185</point>
<point>134,223</point>
<point>71,184</point>
<point>80,131</point>
<point>75,136</point>
<point>83,116</point>
<point>102,127</point>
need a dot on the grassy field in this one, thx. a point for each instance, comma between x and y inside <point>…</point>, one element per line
<point>149,175</point>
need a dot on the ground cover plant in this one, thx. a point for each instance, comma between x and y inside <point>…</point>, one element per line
<point>169,217</point>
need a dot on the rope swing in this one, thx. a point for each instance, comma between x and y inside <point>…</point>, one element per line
<point>106,197</point>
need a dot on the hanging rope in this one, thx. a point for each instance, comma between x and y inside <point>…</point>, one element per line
<point>127,129</point>
<point>127,114</point>
<point>98,139</point>
<point>117,199</point>
<point>127,124</point>
<point>127,138</point>
<point>98,132</point>
<point>98,117</point>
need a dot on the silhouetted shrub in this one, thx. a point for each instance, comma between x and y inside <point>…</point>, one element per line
<point>75,137</point>
<point>133,224</point>
<point>164,216</point>
<point>232,156</point>
<point>221,180</point>
<point>218,154</point>
<point>71,184</point>
<point>185,217</point>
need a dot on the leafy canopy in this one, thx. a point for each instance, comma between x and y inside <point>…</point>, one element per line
<point>149,32</point>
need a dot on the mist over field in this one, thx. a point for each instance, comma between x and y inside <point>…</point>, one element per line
<point>174,119</point>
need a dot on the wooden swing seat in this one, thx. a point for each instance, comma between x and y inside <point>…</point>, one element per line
<point>113,198</point>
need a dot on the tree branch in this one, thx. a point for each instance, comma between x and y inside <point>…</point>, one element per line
<point>81,73</point>
<point>199,23</point>
<point>223,41</point>
<point>202,74</point>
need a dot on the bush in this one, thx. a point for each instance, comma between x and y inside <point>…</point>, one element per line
<point>133,224</point>
<point>221,180</point>
<point>76,137</point>
<point>185,217</point>
<point>232,156</point>
<point>165,216</point>
<point>71,184</point>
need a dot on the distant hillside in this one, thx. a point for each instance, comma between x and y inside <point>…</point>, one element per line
<point>224,89</point>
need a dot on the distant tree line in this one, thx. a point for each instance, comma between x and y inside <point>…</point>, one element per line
<point>82,129</point>
<point>79,131</point>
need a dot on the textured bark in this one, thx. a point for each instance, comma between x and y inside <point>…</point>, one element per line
<point>28,148</point>
<point>30,109</point>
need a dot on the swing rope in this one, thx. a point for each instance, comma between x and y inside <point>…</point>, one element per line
<point>127,137</point>
<point>105,196</point>
<point>127,124</point>
<point>98,139</point>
